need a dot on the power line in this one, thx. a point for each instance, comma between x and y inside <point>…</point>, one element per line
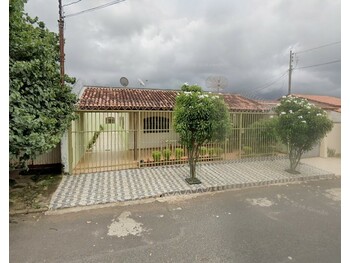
<point>72,3</point>
<point>94,8</point>
<point>321,64</point>
<point>264,86</point>
<point>326,45</point>
<point>268,84</point>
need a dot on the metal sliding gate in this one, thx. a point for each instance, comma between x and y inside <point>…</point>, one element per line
<point>112,140</point>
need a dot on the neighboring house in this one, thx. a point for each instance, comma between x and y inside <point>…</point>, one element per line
<point>120,128</point>
<point>331,144</point>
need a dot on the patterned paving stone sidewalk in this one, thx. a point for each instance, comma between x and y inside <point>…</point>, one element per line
<point>136,184</point>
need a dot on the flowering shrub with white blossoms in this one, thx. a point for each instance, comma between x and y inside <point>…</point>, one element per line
<point>198,119</point>
<point>300,125</point>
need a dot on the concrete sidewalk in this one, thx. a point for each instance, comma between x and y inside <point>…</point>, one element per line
<point>331,164</point>
<point>136,184</point>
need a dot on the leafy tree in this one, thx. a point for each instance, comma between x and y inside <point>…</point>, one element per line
<point>40,108</point>
<point>198,119</point>
<point>300,125</point>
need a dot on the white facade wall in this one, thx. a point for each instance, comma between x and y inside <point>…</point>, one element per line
<point>148,140</point>
<point>333,138</point>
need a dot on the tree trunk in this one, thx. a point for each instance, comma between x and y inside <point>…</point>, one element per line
<point>192,167</point>
<point>294,159</point>
<point>192,160</point>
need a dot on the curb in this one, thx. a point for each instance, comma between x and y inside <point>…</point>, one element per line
<point>27,211</point>
<point>51,211</point>
<point>248,185</point>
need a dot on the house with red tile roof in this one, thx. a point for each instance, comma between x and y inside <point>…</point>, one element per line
<point>121,128</point>
<point>107,98</point>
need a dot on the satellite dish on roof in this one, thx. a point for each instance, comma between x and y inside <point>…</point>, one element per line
<point>124,81</point>
<point>216,83</point>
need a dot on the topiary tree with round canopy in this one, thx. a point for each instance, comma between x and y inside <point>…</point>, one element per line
<point>199,118</point>
<point>300,125</point>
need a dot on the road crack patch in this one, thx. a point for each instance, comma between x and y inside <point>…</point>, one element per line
<point>124,226</point>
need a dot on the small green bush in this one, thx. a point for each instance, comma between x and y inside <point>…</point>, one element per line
<point>203,150</point>
<point>179,152</point>
<point>330,152</point>
<point>167,154</point>
<point>219,151</point>
<point>215,151</point>
<point>211,151</point>
<point>156,156</point>
<point>247,150</point>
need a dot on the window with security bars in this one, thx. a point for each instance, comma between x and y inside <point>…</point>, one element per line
<point>110,120</point>
<point>155,124</point>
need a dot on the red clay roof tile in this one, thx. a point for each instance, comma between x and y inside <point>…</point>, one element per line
<point>325,102</point>
<point>107,98</point>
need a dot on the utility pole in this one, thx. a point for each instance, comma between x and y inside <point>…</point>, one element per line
<point>290,72</point>
<point>61,39</point>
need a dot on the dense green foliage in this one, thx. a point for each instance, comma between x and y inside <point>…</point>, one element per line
<point>40,108</point>
<point>261,137</point>
<point>300,125</point>
<point>199,118</point>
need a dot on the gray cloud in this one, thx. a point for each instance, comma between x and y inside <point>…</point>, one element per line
<point>168,43</point>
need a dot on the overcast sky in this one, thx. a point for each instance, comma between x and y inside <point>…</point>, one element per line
<point>166,43</point>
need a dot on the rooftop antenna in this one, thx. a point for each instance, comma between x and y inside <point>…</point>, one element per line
<point>124,81</point>
<point>141,82</point>
<point>217,83</point>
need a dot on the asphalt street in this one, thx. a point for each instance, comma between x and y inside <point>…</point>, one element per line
<point>298,222</point>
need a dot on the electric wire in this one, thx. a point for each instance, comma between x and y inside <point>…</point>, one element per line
<point>72,3</point>
<point>251,94</point>
<point>311,49</point>
<point>321,64</point>
<point>94,8</point>
<point>268,84</point>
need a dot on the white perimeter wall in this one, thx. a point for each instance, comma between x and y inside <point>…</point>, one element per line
<point>333,138</point>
